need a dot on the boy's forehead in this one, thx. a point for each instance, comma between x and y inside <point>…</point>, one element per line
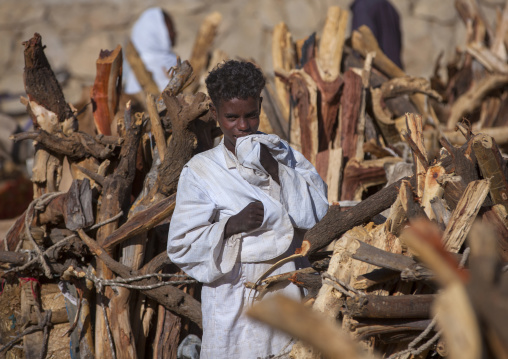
<point>227,102</point>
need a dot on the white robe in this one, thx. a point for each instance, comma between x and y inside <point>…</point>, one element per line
<point>150,37</point>
<point>215,185</point>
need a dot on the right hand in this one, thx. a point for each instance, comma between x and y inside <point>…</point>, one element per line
<point>248,219</point>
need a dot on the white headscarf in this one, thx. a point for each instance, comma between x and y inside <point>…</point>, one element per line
<point>150,37</point>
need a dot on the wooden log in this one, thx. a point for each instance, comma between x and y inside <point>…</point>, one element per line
<point>368,328</point>
<point>359,176</point>
<point>115,198</point>
<point>453,309</point>
<point>143,76</point>
<point>304,133</point>
<point>156,126</point>
<point>414,126</point>
<point>180,77</point>
<point>499,134</point>
<point>464,215</point>
<point>364,42</point>
<point>492,166</point>
<point>141,222</point>
<point>202,46</point>
<point>335,223</point>
<point>433,189</point>
<point>407,85</point>
<point>488,59</point>
<point>283,58</point>
<point>105,93</point>
<point>311,282</point>
<point>167,335</point>
<point>474,96</point>
<point>388,307</point>
<point>384,117</point>
<point>77,146</point>
<point>329,106</point>
<point>334,174</point>
<point>299,321</point>
<point>41,85</point>
<point>376,277</point>
<point>331,46</point>
<point>273,109</point>
<point>170,297</point>
<point>366,253</point>
<point>350,110</point>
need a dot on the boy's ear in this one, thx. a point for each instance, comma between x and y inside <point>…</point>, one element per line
<point>260,101</point>
<point>213,110</point>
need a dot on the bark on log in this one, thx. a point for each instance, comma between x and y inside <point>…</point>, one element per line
<point>335,223</point>
<point>492,165</point>
<point>283,58</point>
<point>464,215</point>
<point>170,297</point>
<point>331,46</point>
<point>141,222</point>
<point>389,307</point>
<point>105,93</point>
<point>474,96</point>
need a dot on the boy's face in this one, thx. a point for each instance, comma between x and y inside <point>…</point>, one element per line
<point>237,118</point>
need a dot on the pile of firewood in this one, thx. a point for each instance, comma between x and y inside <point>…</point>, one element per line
<point>408,260</point>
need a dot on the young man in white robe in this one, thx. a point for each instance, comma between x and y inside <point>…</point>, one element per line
<point>240,208</point>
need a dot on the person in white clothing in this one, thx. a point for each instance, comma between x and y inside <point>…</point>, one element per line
<point>241,207</point>
<point>154,36</point>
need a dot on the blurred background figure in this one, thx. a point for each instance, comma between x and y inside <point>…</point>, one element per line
<point>383,19</point>
<point>153,35</point>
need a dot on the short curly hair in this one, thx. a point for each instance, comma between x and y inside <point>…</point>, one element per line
<point>234,79</point>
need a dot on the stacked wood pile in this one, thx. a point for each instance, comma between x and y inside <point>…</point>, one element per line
<point>353,114</point>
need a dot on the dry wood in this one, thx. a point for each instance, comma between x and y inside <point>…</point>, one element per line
<point>312,282</point>
<point>283,58</point>
<point>388,307</point>
<point>329,107</point>
<point>493,167</point>
<point>156,126</point>
<point>304,133</point>
<point>406,86</point>
<point>143,76</point>
<point>332,43</point>
<point>334,174</point>
<point>464,215</point>
<point>141,222</point>
<point>359,176</point>
<point>414,126</point>
<point>202,45</point>
<point>335,223</point>
<point>488,59</point>
<point>384,117</point>
<point>349,114</point>
<point>433,189</point>
<point>105,93</point>
<point>474,96</point>
<point>453,301</point>
<point>170,297</point>
<point>299,321</point>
